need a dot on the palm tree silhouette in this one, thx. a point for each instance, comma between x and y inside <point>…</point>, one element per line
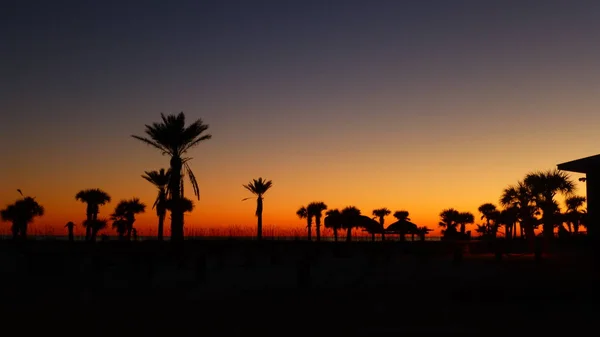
<point>94,198</point>
<point>449,220</point>
<point>422,232</point>
<point>172,137</point>
<point>490,213</point>
<point>160,179</point>
<point>350,218</point>
<point>316,209</point>
<point>303,213</point>
<point>381,213</point>
<point>120,226</point>
<point>259,187</point>
<point>21,214</point>
<point>464,219</point>
<point>70,226</point>
<point>94,226</point>
<point>333,220</point>
<point>573,213</point>
<point>519,200</point>
<point>125,211</point>
<point>544,187</point>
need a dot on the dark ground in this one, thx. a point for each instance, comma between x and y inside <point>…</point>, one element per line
<point>55,287</point>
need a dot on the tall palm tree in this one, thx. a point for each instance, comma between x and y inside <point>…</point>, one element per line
<point>381,213</point>
<point>333,220</point>
<point>350,218</point>
<point>160,179</point>
<point>303,213</point>
<point>490,213</point>
<point>126,210</point>
<point>316,209</point>
<point>21,214</point>
<point>94,198</point>
<point>574,212</point>
<point>545,185</point>
<point>403,218</point>
<point>172,137</point>
<point>259,187</point>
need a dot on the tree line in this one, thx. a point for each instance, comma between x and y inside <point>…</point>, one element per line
<point>526,205</point>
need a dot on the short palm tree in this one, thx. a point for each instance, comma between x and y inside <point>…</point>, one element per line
<point>173,138</point>
<point>574,212</point>
<point>519,200</point>
<point>21,214</point>
<point>94,198</point>
<point>333,220</point>
<point>449,220</point>
<point>490,213</point>
<point>94,225</point>
<point>545,185</point>
<point>160,179</point>
<point>126,210</point>
<point>464,219</point>
<point>350,219</point>
<point>316,209</point>
<point>303,213</point>
<point>422,232</point>
<point>381,213</point>
<point>258,187</point>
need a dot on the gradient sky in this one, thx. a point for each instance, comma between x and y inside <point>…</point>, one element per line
<point>416,105</point>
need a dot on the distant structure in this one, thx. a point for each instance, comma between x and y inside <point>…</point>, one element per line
<point>590,166</point>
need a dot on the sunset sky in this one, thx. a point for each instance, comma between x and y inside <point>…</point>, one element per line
<point>416,105</point>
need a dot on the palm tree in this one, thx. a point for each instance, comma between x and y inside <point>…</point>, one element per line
<point>490,213</point>
<point>449,220</point>
<point>403,224</point>
<point>120,226</point>
<point>160,179</point>
<point>94,226</point>
<point>302,213</point>
<point>519,200</point>
<point>545,186</point>
<point>464,219</point>
<point>316,209</point>
<point>333,220</point>
<point>350,217</point>
<point>94,198</point>
<point>21,214</point>
<point>126,211</point>
<point>172,137</point>
<point>573,212</point>
<point>381,213</point>
<point>259,187</point>
<point>70,226</point>
<point>422,231</point>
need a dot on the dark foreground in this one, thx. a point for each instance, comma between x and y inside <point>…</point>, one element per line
<point>281,288</point>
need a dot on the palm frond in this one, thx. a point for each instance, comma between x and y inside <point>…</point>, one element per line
<point>192,180</point>
<point>152,143</point>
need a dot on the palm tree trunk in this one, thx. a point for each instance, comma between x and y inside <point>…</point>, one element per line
<point>15,230</point>
<point>176,196</point>
<point>349,234</point>
<point>382,233</point>
<point>335,234</point>
<point>373,236</point>
<point>318,228</point>
<point>462,228</point>
<point>24,231</point>
<point>259,226</point>
<point>161,224</point>
<point>309,229</point>
<point>412,238</point>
